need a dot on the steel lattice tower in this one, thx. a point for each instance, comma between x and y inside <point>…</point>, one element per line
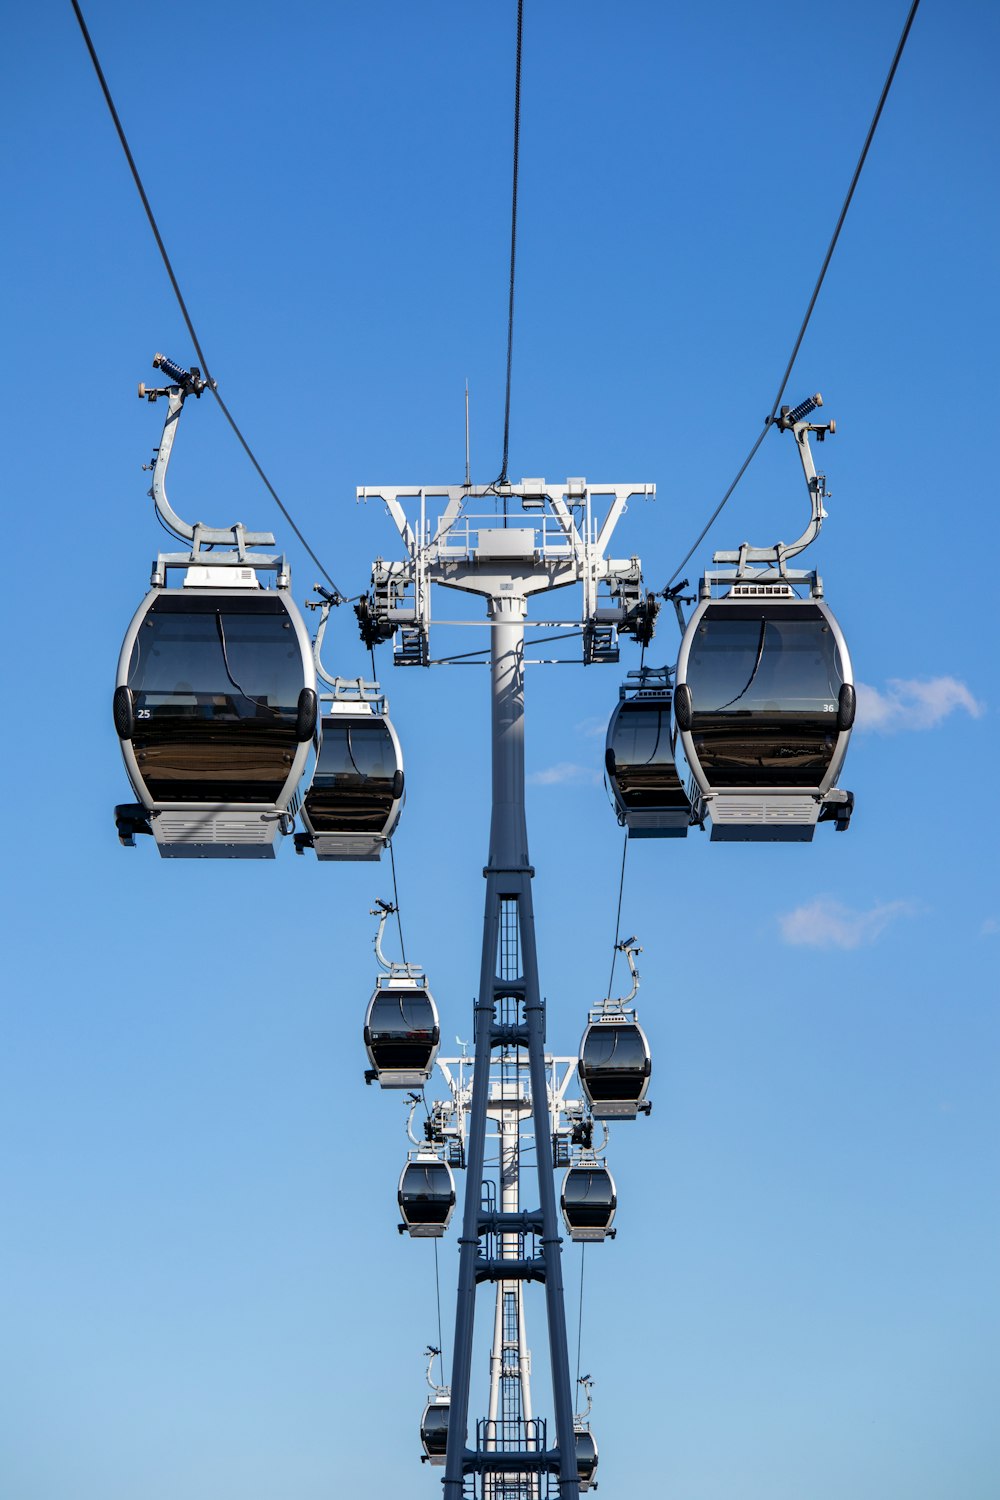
<point>558,543</point>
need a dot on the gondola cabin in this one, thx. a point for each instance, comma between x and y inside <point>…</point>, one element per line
<point>639,759</point>
<point>402,1033</point>
<point>434,1430</point>
<point>615,1066</point>
<point>426,1197</point>
<point>764,703</point>
<point>588,1201</point>
<point>586,1458</point>
<point>215,710</point>
<point>353,804</point>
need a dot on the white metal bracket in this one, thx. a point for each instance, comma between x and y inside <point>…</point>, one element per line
<point>776,556</point>
<point>554,542</point>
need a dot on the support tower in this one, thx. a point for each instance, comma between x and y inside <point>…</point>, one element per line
<point>557,542</point>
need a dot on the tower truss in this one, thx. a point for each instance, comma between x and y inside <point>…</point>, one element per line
<point>556,541</point>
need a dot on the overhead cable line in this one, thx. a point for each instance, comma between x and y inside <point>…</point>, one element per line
<point>579,1321</point>
<point>618,918</point>
<point>341,597</point>
<point>502,476</point>
<point>437,1285</point>
<point>395,899</point>
<point>812,300</point>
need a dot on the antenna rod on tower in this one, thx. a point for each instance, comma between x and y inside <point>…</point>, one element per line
<point>468,470</point>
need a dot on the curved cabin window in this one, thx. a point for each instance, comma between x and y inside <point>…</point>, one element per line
<point>403,1030</point>
<point>434,1429</point>
<point>352,790</point>
<point>645,774</point>
<point>427,1193</point>
<point>764,683</point>
<point>215,684</point>
<point>615,1062</point>
<point>586,1455</point>
<point>588,1198</point>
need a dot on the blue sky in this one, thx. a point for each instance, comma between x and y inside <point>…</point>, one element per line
<point>203,1290</point>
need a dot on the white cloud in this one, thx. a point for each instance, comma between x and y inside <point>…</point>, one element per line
<point>566,773</point>
<point>592,729</point>
<point>990,928</point>
<point>911,703</point>
<point>825,923</point>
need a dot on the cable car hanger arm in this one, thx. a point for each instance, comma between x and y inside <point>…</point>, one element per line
<point>431,1354</point>
<point>186,383</point>
<point>324,609</point>
<point>630,948</point>
<point>384,910</point>
<point>791,420</point>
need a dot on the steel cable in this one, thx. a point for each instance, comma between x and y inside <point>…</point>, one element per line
<point>812,300</point>
<point>395,901</point>
<point>341,597</point>
<point>437,1284</point>
<point>502,476</point>
<point>579,1321</point>
<point>618,919</point>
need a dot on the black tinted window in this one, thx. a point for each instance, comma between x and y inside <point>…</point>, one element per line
<point>403,1013</point>
<point>615,1063</point>
<point>764,687</point>
<point>215,684</point>
<point>761,664</point>
<point>644,773</point>
<point>352,790</point>
<point>223,660</point>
